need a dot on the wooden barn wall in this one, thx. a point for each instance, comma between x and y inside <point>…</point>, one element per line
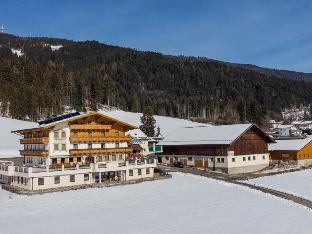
<point>278,155</point>
<point>218,150</point>
<point>249,143</point>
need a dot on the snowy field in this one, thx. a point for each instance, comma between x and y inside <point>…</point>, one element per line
<point>298,183</point>
<point>184,204</point>
<point>9,142</point>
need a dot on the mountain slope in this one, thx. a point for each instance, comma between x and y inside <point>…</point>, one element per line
<point>53,73</point>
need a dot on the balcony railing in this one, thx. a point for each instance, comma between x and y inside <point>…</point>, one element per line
<point>38,140</point>
<point>42,153</point>
<point>90,127</point>
<point>100,139</point>
<point>99,151</point>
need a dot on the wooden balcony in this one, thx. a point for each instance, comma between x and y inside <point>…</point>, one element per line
<point>75,152</point>
<point>42,153</point>
<point>38,140</point>
<point>100,139</point>
<point>90,127</point>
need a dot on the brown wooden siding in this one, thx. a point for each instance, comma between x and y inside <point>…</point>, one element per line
<point>249,143</point>
<point>219,150</point>
<point>278,155</point>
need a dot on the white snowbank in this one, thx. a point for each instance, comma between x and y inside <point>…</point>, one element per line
<point>184,204</point>
<point>55,47</point>
<point>9,142</point>
<point>18,52</point>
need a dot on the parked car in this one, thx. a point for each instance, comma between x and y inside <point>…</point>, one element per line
<point>177,164</point>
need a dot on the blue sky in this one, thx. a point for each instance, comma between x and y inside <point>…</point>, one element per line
<point>276,33</point>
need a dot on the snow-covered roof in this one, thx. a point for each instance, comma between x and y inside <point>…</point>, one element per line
<point>137,133</point>
<point>284,126</point>
<point>206,135</point>
<point>302,122</point>
<point>295,144</point>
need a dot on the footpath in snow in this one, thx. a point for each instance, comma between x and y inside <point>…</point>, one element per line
<point>298,183</point>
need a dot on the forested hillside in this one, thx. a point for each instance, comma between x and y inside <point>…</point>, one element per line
<point>41,81</point>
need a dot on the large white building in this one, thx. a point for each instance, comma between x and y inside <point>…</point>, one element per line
<point>76,149</point>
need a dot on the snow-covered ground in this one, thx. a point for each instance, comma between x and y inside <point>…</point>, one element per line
<point>184,204</point>
<point>298,183</point>
<point>9,142</point>
<point>55,47</point>
<point>18,52</point>
<point>166,124</point>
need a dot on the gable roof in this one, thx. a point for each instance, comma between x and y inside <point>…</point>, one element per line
<point>295,144</point>
<point>52,124</point>
<point>209,135</point>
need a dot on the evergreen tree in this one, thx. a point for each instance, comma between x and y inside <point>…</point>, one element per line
<point>158,131</point>
<point>148,122</point>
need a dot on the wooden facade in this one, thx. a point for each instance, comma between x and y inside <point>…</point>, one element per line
<point>288,155</point>
<point>250,142</point>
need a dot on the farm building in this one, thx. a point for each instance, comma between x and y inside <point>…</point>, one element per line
<point>296,150</point>
<point>239,148</point>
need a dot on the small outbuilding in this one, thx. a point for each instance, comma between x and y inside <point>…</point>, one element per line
<point>296,150</point>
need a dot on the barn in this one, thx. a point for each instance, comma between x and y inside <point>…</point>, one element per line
<point>298,151</point>
<point>233,149</point>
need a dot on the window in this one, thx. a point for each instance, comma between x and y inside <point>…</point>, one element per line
<point>130,172</point>
<point>244,158</point>
<point>106,158</point>
<point>263,156</point>
<point>233,159</point>
<point>114,158</point>
<point>120,157</point>
<point>218,160</point>
<point>79,159</point>
<point>117,134</point>
<point>147,171</point>
<point>117,145</point>
<point>54,161</point>
<point>75,134</point>
<point>222,160</point>
<point>254,157</point>
<point>62,160</point>
<point>139,171</point>
<point>75,146</point>
<point>89,134</point>
<point>86,177</point>
<point>56,135</point>
<point>106,133</point>
<point>103,145</point>
<point>189,158</point>
<point>63,147</point>
<point>71,160</point>
<point>89,146</point>
<point>72,178</point>
<point>63,134</point>
<point>211,159</point>
<point>249,158</point>
<point>167,158</point>
<point>40,181</point>
<point>57,180</point>
<point>56,147</point>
